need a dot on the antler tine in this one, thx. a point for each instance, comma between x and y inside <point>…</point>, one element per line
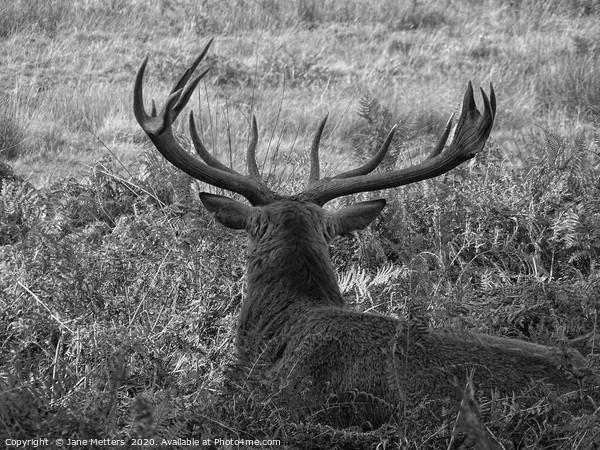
<point>174,105</point>
<point>201,149</point>
<point>251,153</point>
<point>138,94</point>
<point>472,131</point>
<point>158,128</point>
<point>443,138</point>
<point>190,70</point>
<point>186,92</point>
<point>493,99</point>
<point>490,109</point>
<point>315,167</point>
<point>374,162</point>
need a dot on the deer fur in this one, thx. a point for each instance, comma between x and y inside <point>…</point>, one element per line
<point>350,368</point>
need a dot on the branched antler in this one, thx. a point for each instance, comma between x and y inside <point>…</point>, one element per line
<point>470,136</point>
<point>472,131</point>
<point>209,169</point>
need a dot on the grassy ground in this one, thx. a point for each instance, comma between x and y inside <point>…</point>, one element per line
<point>67,70</point>
<point>119,295</point>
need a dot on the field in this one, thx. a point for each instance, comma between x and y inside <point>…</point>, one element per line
<point>119,293</point>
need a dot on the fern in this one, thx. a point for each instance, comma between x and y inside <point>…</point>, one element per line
<point>380,121</point>
<point>371,110</point>
<point>386,274</point>
<point>565,228</point>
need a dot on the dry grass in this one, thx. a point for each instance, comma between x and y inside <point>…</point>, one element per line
<point>290,63</point>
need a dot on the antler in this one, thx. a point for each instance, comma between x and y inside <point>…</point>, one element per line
<point>470,135</point>
<point>472,131</point>
<point>210,170</point>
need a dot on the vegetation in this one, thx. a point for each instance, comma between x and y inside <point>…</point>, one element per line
<point>118,293</point>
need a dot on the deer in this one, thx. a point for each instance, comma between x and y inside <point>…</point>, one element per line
<point>295,331</point>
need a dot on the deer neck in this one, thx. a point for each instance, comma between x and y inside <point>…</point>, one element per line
<point>284,281</point>
<point>300,269</point>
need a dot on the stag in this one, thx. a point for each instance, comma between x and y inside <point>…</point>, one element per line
<point>295,329</point>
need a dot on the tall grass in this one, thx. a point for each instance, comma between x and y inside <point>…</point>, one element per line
<point>75,74</point>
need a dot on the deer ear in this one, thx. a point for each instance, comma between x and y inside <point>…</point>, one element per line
<point>226,211</point>
<point>356,217</point>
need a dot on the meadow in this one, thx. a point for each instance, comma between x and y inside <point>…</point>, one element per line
<point>118,292</point>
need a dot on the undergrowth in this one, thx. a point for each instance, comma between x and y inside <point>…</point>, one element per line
<point>119,296</point>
